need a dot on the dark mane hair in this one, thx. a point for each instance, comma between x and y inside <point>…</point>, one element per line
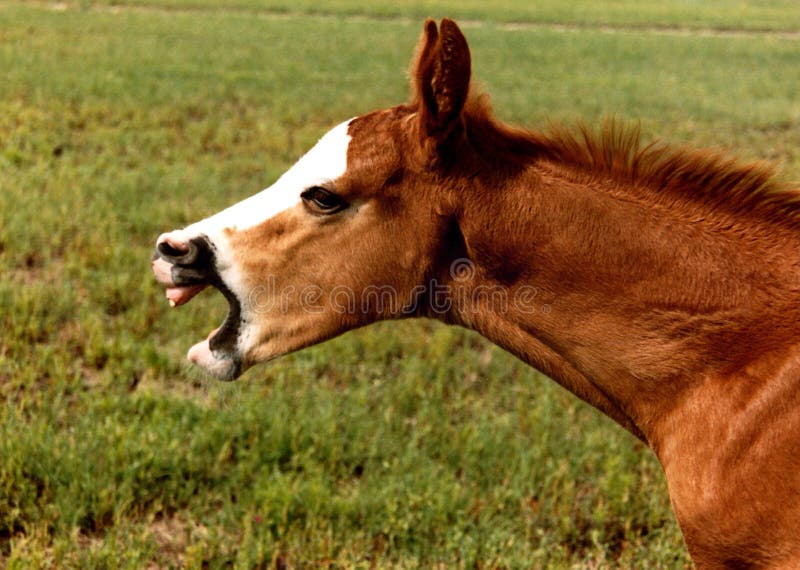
<point>710,178</point>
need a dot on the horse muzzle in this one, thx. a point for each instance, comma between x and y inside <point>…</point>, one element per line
<point>186,267</point>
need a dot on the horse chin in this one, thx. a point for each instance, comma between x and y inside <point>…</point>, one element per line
<point>222,366</point>
<point>219,353</point>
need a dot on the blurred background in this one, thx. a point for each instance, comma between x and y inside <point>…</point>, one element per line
<point>401,445</point>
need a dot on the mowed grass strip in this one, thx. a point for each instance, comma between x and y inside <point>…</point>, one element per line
<point>401,445</point>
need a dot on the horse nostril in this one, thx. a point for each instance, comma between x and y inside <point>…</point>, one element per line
<point>177,252</point>
<point>169,249</point>
<point>179,263</point>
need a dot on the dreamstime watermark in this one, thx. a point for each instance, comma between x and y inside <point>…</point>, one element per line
<point>459,293</point>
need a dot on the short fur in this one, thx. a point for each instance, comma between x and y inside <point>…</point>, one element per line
<point>660,285</point>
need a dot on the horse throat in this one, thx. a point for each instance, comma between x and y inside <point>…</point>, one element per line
<point>627,304</point>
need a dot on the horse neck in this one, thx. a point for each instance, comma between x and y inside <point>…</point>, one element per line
<point>627,303</point>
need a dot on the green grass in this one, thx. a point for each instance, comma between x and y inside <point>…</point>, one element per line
<point>692,14</point>
<point>401,445</point>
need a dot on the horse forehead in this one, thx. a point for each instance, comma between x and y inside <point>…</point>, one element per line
<point>328,158</point>
<point>375,146</point>
<point>383,125</point>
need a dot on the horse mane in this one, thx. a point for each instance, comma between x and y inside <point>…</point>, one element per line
<point>717,182</point>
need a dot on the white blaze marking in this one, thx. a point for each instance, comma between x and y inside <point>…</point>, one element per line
<point>325,162</point>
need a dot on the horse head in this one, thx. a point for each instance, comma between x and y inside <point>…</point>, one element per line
<point>351,234</point>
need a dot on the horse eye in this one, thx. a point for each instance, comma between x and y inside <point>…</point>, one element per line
<point>321,201</point>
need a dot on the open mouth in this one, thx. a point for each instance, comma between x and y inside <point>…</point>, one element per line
<point>185,269</point>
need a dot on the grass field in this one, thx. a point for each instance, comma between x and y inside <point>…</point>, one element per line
<point>402,445</point>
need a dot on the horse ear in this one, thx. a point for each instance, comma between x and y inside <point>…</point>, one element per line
<point>440,78</point>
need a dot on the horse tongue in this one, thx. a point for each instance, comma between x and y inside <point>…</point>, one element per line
<point>180,295</point>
